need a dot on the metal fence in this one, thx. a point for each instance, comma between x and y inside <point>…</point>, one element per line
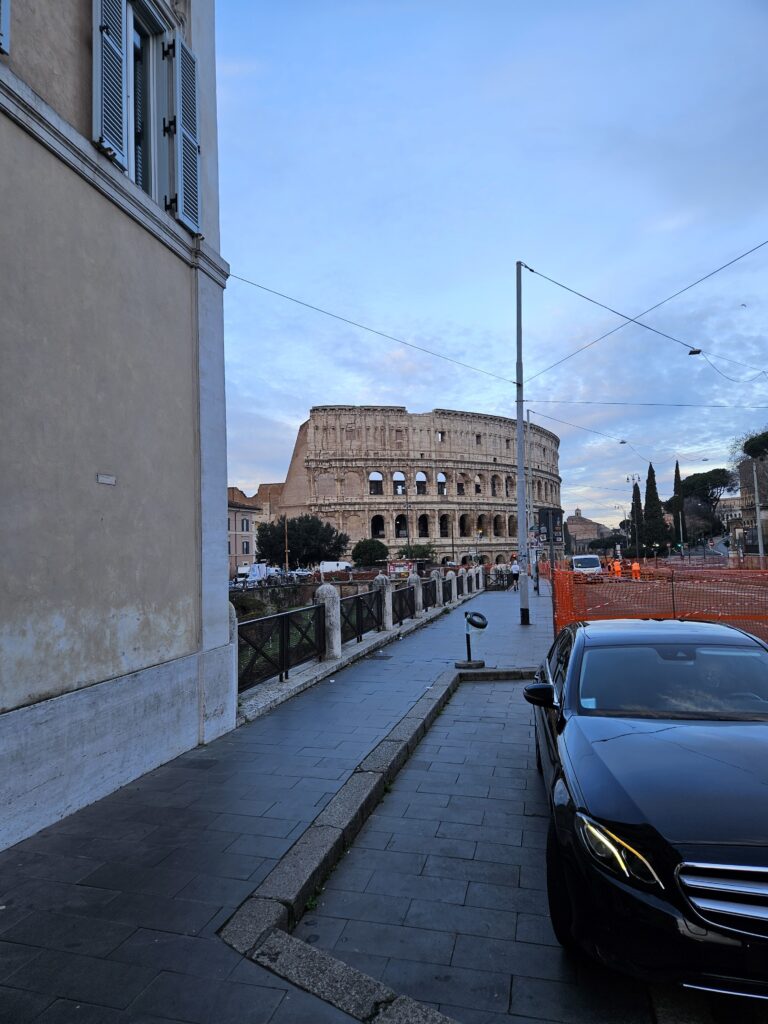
<point>360,614</point>
<point>277,643</point>
<point>447,594</point>
<point>470,584</point>
<point>403,604</point>
<point>460,586</point>
<point>498,579</point>
<point>429,594</point>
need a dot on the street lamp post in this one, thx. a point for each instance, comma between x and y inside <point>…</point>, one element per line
<point>758,519</point>
<point>522,517</point>
<point>620,508</point>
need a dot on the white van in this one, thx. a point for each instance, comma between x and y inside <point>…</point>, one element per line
<point>589,565</point>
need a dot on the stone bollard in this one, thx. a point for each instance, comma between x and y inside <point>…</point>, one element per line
<point>328,595</point>
<point>418,601</point>
<point>452,577</point>
<point>384,584</point>
<point>437,577</point>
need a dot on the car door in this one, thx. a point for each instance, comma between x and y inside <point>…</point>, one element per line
<point>556,668</point>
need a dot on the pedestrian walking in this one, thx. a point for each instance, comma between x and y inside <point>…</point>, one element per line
<point>635,570</point>
<point>515,574</point>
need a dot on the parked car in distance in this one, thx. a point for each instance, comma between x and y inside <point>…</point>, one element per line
<point>651,737</point>
<point>588,565</point>
<point>303,574</point>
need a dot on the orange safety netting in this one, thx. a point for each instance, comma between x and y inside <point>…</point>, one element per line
<point>735,596</point>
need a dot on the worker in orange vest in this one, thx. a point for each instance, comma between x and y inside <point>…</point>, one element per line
<point>617,568</point>
<point>635,570</point>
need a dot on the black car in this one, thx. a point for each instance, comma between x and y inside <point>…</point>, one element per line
<point>652,737</point>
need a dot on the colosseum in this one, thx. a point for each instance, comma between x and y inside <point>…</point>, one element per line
<point>442,477</point>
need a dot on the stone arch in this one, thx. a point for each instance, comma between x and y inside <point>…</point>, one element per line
<point>479,483</point>
<point>538,489</point>
<point>462,484</point>
<point>464,525</point>
<point>421,482</point>
<point>445,525</point>
<point>498,526</point>
<point>466,559</point>
<point>509,487</point>
<point>482,524</point>
<point>485,559</point>
<point>398,483</point>
<point>401,527</point>
<point>495,486</point>
<point>501,559</point>
<point>511,526</point>
<point>375,483</point>
<point>422,525</point>
<point>377,527</point>
<point>442,484</point>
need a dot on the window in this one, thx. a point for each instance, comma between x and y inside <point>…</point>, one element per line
<point>229,547</point>
<point>459,488</point>
<point>507,443</point>
<point>5,26</point>
<point>421,483</point>
<point>375,483</point>
<point>245,525</point>
<point>440,436</point>
<point>246,547</point>
<point>478,438</point>
<point>229,521</point>
<point>441,484</point>
<point>145,103</point>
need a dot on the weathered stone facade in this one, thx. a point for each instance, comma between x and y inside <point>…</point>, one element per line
<point>443,477</point>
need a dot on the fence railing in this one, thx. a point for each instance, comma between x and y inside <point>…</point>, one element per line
<point>403,604</point>
<point>360,614</point>
<point>447,591</point>
<point>277,643</point>
<point>429,594</point>
<point>460,586</point>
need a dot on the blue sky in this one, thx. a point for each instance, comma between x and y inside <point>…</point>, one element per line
<point>390,160</point>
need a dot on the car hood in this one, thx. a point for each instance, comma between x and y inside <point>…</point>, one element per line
<point>693,782</point>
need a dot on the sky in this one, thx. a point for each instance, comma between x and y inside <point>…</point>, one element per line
<point>390,160</point>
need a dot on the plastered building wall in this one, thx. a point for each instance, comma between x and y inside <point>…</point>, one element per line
<point>117,644</point>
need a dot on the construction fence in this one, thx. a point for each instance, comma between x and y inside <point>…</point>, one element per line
<point>738,597</point>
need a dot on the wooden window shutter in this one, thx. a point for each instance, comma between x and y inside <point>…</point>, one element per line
<point>187,140</point>
<point>110,121</point>
<point>5,26</point>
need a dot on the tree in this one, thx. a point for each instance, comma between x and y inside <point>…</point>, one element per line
<point>369,552</point>
<point>655,530</point>
<point>756,445</point>
<point>422,552</point>
<point>636,519</point>
<point>709,488</point>
<point>675,507</point>
<point>606,543</point>
<point>310,540</point>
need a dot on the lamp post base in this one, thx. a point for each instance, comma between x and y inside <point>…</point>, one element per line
<point>469,664</point>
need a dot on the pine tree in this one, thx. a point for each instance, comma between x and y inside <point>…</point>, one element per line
<point>677,508</point>
<point>636,519</point>
<point>655,530</point>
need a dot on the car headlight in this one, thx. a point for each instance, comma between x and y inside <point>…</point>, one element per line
<point>614,854</point>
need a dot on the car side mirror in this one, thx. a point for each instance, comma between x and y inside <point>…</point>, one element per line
<point>540,694</point>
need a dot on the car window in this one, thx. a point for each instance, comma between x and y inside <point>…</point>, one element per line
<point>559,664</point>
<point>675,680</point>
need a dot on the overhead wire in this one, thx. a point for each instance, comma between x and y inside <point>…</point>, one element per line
<point>635,320</point>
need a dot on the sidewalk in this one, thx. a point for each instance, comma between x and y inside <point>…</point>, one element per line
<point>110,916</point>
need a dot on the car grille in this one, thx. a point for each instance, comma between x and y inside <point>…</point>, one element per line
<point>728,895</point>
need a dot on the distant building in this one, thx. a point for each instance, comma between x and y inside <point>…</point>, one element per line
<point>444,477</point>
<point>115,650</point>
<point>582,530</point>
<point>243,516</point>
<point>729,511</point>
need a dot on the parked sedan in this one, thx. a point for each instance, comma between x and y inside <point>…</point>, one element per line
<point>652,737</point>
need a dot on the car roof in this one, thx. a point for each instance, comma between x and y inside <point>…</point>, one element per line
<point>609,632</point>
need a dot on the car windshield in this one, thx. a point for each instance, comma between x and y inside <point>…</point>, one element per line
<point>587,562</point>
<point>675,681</point>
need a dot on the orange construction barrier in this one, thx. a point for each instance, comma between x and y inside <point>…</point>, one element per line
<point>735,596</point>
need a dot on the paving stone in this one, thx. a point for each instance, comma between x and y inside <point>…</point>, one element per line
<point>318,930</point>
<point>472,870</point>
<point>365,906</point>
<point>69,933</point>
<point>13,955</point>
<point>500,924</point>
<point>18,1007</point>
<point>421,944</point>
<point>200,1001</point>
<point>482,990</point>
<point>535,928</point>
<point>64,1011</point>
<point>393,883</point>
<point>348,878</point>
<point>252,921</point>
<point>183,954</point>
<point>527,901</point>
<point>71,976</point>
<point>409,826</point>
<point>518,958</point>
<point>386,860</point>
<point>620,1000</point>
<point>322,975</point>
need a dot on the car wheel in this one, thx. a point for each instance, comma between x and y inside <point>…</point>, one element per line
<point>560,911</point>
